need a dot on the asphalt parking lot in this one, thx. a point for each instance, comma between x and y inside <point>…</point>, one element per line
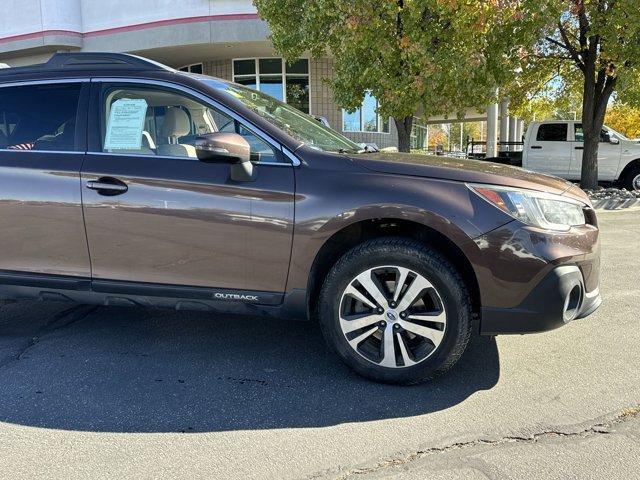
<point>124,393</point>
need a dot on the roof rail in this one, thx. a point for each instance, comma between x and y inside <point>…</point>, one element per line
<point>91,61</point>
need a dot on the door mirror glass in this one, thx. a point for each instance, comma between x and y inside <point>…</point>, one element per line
<point>605,137</point>
<point>222,147</point>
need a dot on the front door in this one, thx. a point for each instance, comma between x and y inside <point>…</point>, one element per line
<point>42,144</point>
<point>608,156</point>
<point>156,214</point>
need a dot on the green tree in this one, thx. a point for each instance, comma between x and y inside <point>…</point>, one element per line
<point>590,45</point>
<point>432,56</point>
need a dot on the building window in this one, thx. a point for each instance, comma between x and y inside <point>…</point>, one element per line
<point>194,68</point>
<point>288,82</point>
<point>365,118</point>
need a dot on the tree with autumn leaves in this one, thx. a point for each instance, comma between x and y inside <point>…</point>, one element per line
<point>589,46</point>
<point>416,57</point>
<point>433,57</point>
<point>624,119</point>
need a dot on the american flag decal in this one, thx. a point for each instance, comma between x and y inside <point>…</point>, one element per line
<point>21,146</point>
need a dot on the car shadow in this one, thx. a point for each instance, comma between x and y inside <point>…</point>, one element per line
<point>111,369</point>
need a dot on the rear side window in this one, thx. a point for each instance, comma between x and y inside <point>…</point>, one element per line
<point>552,132</point>
<point>39,117</point>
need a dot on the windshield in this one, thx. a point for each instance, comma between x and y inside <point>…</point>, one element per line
<point>297,124</point>
<point>617,134</point>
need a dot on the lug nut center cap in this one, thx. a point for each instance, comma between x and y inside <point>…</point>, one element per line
<point>391,315</point>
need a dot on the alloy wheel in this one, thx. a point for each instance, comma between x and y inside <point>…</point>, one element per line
<point>392,316</point>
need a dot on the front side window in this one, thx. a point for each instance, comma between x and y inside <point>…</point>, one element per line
<point>365,118</point>
<point>579,134</point>
<point>39,117</point>
<point>150,121</point>
<point>552,132</point>
<point>287,82</point>
<point>295,123</point>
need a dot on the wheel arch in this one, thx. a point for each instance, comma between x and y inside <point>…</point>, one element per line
<point>351,235</point>
<point>627,168</point>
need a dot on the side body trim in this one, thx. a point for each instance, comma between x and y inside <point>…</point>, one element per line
<point>44,282</point>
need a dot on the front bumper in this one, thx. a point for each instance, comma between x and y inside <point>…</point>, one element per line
<point>559,298</point>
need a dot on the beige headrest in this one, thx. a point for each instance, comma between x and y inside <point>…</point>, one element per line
<point>176,123</point>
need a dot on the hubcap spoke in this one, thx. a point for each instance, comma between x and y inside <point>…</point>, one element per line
<point>388,348</point>
<point>418,285</point>
<point>352,324</point>
<point>351,291</point>
<point>401,279</point>
<point>372,289</point>
<point>437,317</point>
<point>431,333</point>
<point>403,350</point>
<point>358,340</point>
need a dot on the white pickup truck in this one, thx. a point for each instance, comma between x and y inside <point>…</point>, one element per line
<point>555,147</point>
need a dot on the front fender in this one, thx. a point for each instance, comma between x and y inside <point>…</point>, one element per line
<point>329,200</point>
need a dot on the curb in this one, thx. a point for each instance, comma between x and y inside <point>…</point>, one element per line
<point>616,203</point>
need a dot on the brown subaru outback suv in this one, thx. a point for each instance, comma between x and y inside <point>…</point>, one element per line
<point>124,182</point>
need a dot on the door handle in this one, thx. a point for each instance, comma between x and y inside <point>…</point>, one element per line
<point>108,186</point>
<point>536,147</point>
<point>579,148</point>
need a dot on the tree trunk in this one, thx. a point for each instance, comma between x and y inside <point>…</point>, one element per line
<point>591,132</point>
<point>404,125</point>
<point>594,106</point>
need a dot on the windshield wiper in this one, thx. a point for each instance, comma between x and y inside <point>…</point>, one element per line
<point>366,149</point>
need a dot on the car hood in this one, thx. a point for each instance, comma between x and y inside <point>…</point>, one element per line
<point>465,170</point>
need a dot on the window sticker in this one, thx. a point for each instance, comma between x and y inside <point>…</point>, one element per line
<point>126,121</point>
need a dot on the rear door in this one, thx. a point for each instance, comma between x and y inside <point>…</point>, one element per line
<point>549,150</point>
<point>164,217</point>
<point>608,155</point>
<point>42,145</point>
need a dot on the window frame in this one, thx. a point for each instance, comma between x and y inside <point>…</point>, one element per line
<point>379,121</point>
<point>283,74</point>
<point>94,146</point>
<point>80,134</point>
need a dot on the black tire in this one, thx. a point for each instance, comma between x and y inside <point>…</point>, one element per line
<point>421,259</point>
<point>628,180</point>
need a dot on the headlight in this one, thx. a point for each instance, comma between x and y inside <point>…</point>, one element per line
<point>539,209</point>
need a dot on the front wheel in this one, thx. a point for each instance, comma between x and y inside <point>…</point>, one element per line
<point>395,311</point>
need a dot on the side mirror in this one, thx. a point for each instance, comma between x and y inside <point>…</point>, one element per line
<point>222,147</point>
<point>323,121</point>
<point>606,137</point>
